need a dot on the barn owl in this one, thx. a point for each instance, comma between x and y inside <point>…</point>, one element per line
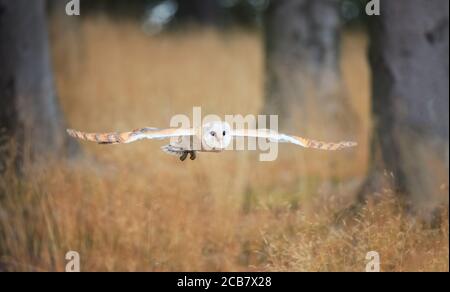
<point>211,137</point>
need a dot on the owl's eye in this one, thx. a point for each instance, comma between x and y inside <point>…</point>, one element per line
<point>212,133</point>
<point>223,133</point>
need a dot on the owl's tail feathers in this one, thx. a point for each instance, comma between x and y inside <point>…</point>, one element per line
<point>172,150</point>
<point>101,138</point>
<point>177,151</point>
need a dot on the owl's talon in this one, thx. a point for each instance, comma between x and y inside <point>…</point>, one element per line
<point>193,155</point>
<point>183,156</point>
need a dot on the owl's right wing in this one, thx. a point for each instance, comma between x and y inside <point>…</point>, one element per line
<point>128,137</point>
<point>297,140</point>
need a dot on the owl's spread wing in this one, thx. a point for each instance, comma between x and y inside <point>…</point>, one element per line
<point>283,138</point>
<point>128,137</point>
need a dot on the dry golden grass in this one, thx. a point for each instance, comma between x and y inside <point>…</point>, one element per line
<point>132,207</point>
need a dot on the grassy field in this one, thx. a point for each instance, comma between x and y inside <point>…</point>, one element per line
<point>132,207</point>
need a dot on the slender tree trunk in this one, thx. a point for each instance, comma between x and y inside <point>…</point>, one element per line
<point>29,110</point>
<point>410,68</point>
<point>302,47</point>
<point>303,81</point>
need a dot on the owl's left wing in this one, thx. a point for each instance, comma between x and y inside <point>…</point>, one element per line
<point>274,136</point>
<point>132,136</point>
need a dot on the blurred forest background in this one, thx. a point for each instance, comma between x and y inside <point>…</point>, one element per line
<point>330,71</point>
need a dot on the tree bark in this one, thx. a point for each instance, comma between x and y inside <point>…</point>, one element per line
<point>29,111</point>
<point>205,12</point>
<point>409,63</point>
<point>303,81</point>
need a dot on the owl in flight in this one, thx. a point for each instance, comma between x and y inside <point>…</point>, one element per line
<point>211,137</point>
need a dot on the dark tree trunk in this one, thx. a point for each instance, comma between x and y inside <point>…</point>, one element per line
<point>201,11</point>
<point>302,59</point>
<point>409,61</point>
<point>29,110</point>
<point>304,88</point>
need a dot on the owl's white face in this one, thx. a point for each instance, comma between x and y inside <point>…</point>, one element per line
<point>216,136</point>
